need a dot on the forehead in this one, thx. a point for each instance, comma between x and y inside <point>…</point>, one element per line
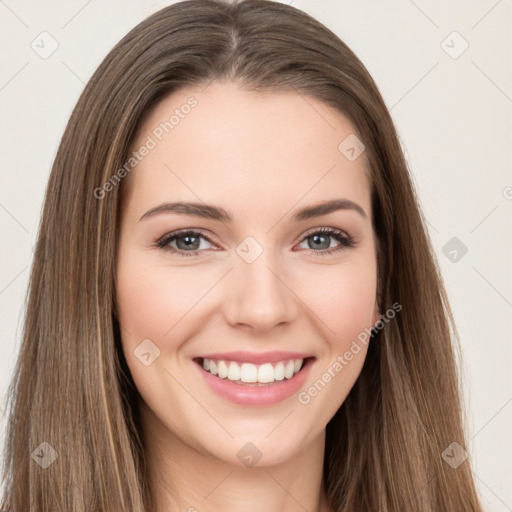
<point>248,150</point>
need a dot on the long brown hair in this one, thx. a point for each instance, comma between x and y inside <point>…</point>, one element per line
<point>72,388</point>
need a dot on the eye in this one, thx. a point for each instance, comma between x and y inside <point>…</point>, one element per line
<point>187,242</point>
<point>320,239</point>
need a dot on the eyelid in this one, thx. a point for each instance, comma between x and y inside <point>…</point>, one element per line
<point>323,229</point>
<point>179,232</point>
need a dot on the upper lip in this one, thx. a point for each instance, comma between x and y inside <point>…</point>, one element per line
<point>256,357</point>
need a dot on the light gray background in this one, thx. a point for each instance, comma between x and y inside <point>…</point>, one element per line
<point>453,116</point>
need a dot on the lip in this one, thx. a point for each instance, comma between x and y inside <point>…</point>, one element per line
<point>254,395</point>
<point>255,357</point>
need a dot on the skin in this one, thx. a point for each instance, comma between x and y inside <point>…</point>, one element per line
<point>261,157</point>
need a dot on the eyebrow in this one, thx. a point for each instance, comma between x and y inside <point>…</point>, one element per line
<point>206,211</point>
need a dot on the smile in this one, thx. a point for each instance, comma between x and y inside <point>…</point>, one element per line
<point>255,383</point>
<point>250,373</point>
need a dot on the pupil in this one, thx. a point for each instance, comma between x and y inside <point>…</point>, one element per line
<point>189,241</point>
<point>317,238</point>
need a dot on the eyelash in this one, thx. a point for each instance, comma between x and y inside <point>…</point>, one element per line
<point>345,240</point>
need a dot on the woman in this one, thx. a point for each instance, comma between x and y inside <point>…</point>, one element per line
<point>228,219</point>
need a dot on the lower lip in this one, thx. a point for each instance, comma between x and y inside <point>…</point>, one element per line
<point>254,395</point>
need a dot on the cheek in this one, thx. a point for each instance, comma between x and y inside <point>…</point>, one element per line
<point>342,298</point>
<point>345,307</point>
<point>160,302</point>
<point>152,301</point>
<point>155,310</point>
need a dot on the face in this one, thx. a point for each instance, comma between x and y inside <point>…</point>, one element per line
<point>242,282</point>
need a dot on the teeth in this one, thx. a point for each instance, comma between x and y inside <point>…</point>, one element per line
<point>279,370</point>
<point>222,369</point>
<point>251,373</point>
<point>234,371</point>
<point>266,373</point>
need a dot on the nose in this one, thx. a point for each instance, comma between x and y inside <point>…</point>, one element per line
<point>259,296</point>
